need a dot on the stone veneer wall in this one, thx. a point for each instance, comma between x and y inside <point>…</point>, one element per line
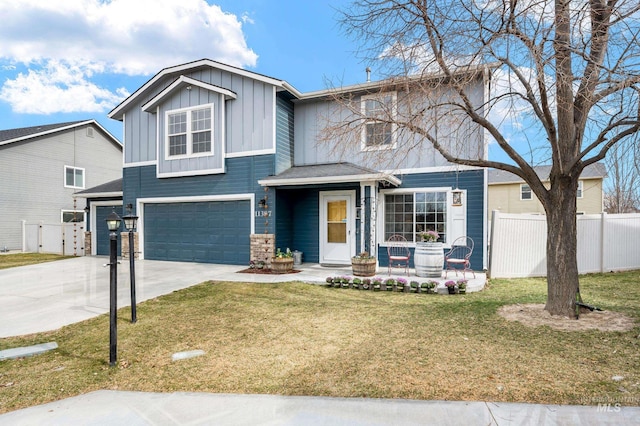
<point>87,243</point>
<point>262,248</point>
<point>125,245</point>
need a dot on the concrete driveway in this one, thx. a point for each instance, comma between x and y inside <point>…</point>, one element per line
<point>47,296</point>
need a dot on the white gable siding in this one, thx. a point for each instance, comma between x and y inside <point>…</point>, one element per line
<point>32,174</point>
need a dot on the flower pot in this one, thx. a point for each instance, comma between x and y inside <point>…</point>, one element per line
<point>281,265</point>
<point>363,267</point>
<point>428,259</point>
<point>451,290</point>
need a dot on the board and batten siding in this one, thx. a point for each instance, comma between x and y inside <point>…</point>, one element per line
<point>32,173</point>
<point>312,116</point>
<point>284,134</point>
<point>249,119</point>
<point>241,177</point>
<point>471,181</point>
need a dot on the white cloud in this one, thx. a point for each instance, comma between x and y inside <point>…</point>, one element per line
<point>58,87</point>
<point>67,43</point>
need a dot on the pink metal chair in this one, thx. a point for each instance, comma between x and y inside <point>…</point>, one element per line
<point>398,252</point>
<point>459,256</point>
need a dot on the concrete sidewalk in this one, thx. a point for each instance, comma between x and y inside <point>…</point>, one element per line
<point>141,408</point>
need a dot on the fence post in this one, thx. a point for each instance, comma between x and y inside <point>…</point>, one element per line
<point>603,219</point>
<point>495,216</point>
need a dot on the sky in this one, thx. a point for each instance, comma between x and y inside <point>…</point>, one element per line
<point>68,60</point>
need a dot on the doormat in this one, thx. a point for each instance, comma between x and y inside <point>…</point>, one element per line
<point>266,271</point>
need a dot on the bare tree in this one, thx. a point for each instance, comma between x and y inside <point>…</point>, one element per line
<point>622,190</point>
<point>568,69</point>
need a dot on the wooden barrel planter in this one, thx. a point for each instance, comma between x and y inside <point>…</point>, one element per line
<point>363,267</point>
<point>281,265</point>
<point>428,259</point>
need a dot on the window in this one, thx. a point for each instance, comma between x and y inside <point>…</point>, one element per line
<point>580,188</point>
<point>525,192</point>
<point>73,177</point>
<point>71,216</point>
<point>189,132</point>
<point>378,134</point>
<point>411,213</point>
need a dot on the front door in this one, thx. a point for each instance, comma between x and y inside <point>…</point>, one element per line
<point>337,227</point>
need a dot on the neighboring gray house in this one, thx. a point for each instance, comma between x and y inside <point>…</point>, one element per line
<point>41,168</point>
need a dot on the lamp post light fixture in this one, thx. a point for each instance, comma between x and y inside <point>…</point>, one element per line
<point>113,223</point>
<point>130,222</point>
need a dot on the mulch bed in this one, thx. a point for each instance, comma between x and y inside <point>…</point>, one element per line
<point>265,271</point>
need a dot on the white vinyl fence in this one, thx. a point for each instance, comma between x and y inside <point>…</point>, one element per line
<point>58,238</point>
<point>606,242</point>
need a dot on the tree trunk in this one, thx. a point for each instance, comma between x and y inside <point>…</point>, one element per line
<point>562,242</point>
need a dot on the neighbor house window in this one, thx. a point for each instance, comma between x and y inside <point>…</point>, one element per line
<point>71,216</point>
<point>378,134</point>
<point>580,189</point>
<point>190,131</point>
<point>409,214</point>
<point>525,192</point>
<point>73,177</point>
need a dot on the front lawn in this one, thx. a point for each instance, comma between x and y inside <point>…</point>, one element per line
<point>304,339</point>
<point>23,259</point>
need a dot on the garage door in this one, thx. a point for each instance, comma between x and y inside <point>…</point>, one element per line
<point>101,230</point>
<point>210,232</point>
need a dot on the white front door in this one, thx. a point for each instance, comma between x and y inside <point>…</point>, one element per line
<point>337,227</point>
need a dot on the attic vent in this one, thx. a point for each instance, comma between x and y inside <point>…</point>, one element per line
<point>89,132</point>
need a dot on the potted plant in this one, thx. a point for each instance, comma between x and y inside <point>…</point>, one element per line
<point>451,286</point>
<point>376,283</point>
<point>282,262</point>
<point>344,281</point>
<point>357,283</point>
<point>462,286</point>
<point>366,284</point>
<point>429,286</point>
<point>363,264</point>
<point>329,281</point>
<point>415,286</point>
<point>402,285</point>
<point>387,285</point>
<point>429,255</point>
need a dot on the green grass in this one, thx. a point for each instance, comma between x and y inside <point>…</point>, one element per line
<point>23,259</point>
<point>303,339</point>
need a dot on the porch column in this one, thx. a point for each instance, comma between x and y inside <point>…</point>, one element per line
<point>374,220</point>
<point>363,203</point>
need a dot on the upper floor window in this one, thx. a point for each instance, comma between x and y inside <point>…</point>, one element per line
<point>73,177</point>
<point>580,189</point>
<point>190,131</point>
<point>378,134</point>
<point>525,192</point>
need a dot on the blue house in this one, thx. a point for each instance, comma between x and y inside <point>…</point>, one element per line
<point>214,154</point>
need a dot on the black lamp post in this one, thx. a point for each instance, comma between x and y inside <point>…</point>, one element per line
<point>113,223</point>
<point>130,223</point>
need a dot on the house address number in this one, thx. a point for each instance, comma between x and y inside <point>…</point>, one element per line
<point>263,213</point>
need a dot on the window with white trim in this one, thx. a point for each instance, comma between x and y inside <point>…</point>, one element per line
<point>378,134</point>
<point>189,132</point>
<point>73,177</point>
<point>580,189</point>
<point>409,214</point>
<point>72,216</point>
<point>525,192</point>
